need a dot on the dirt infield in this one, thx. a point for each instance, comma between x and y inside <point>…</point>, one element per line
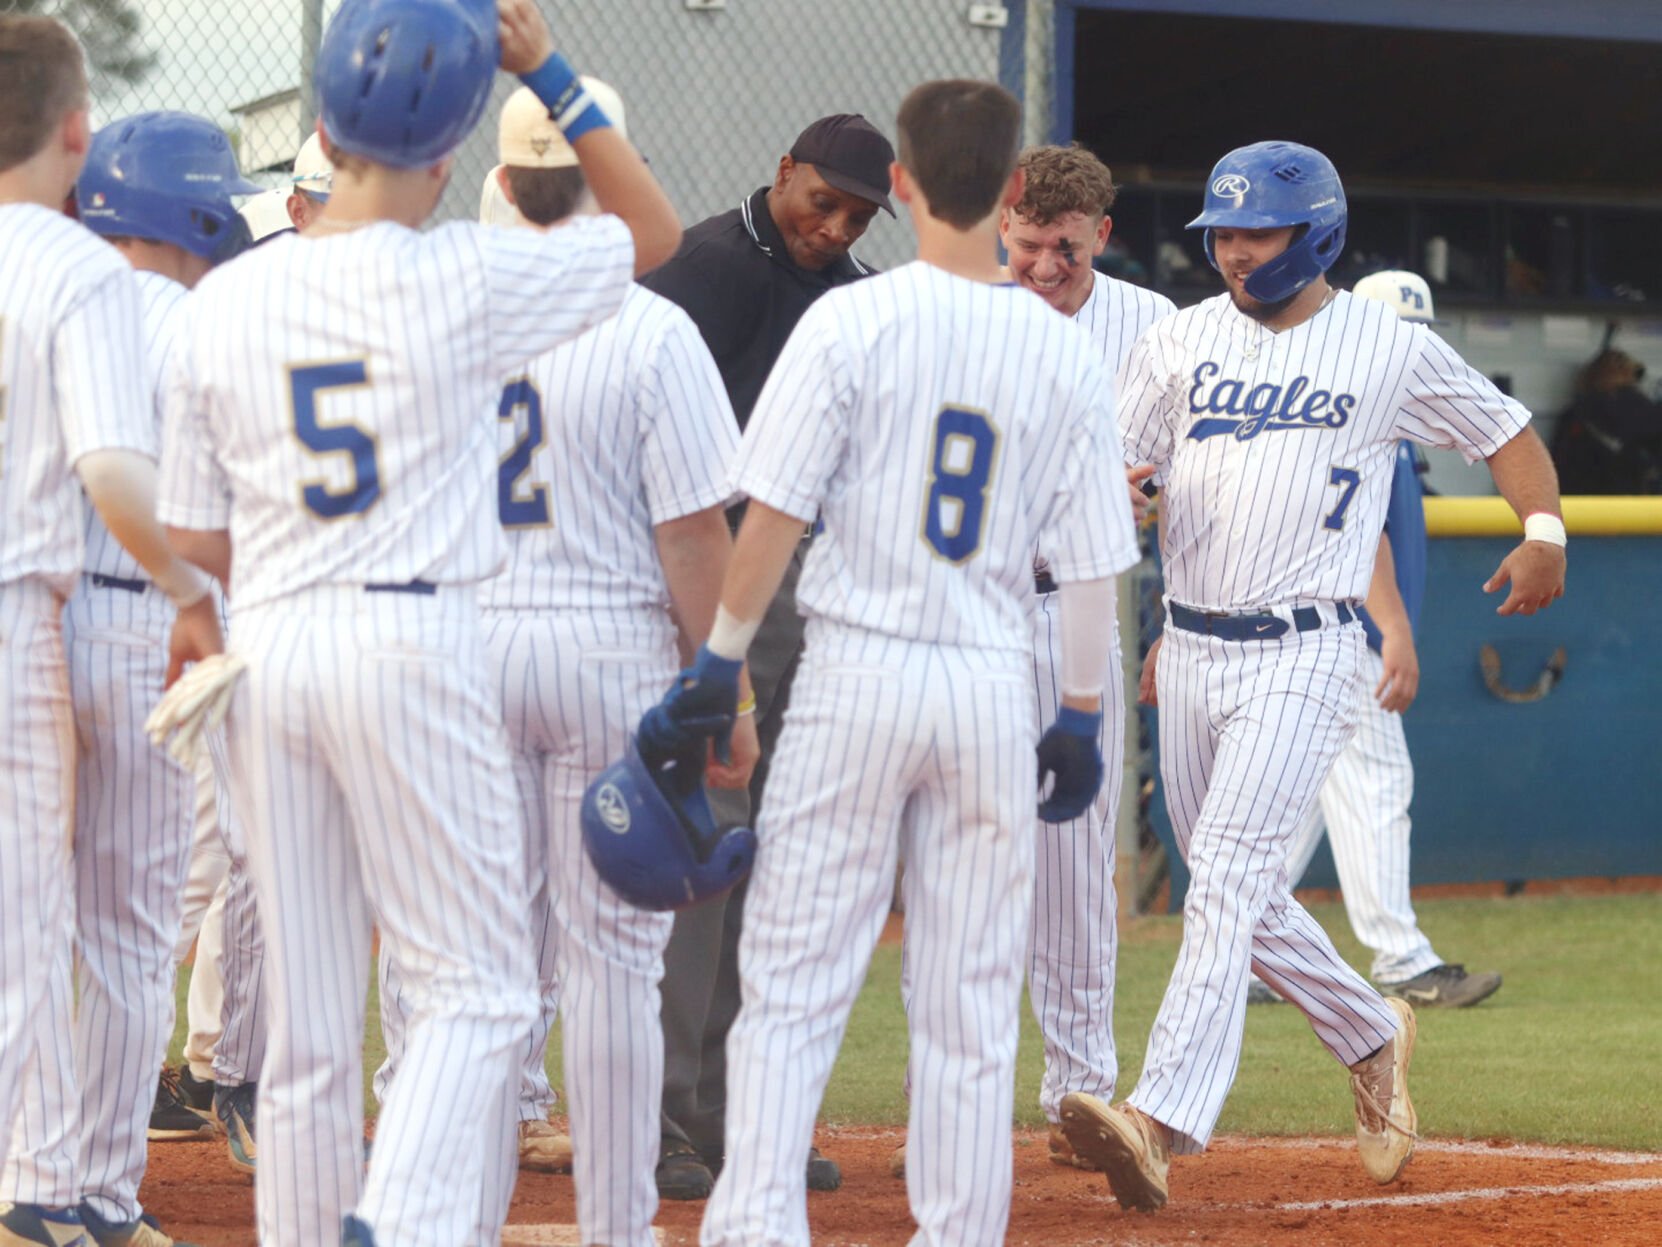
<point>1243,1191</point>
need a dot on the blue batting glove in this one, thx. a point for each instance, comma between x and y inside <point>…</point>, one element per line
<point>1068,752</point>
<point>700,705</point>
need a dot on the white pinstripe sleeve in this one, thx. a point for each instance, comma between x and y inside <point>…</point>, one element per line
<point>98,371</point>
<point>1144,425</point>
<point>691,432</point>
<point>797,432</point>
<point>1091,534</point>
<point>1448,403</point>
<point>193,491</point>
<point>545,288</point>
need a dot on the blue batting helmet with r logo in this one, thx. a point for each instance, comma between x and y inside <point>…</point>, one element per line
<point>1268,186</point>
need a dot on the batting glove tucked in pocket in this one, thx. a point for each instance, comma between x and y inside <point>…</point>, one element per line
<point>1068,752</point>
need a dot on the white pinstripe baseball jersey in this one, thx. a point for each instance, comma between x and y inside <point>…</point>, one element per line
<point>604,437</point>
<point>1276,449</point>
<point>70,382</point>
<point>1115,315</point>
<point>946,428</point>
<point>161,300</point>
<point>354,424</point>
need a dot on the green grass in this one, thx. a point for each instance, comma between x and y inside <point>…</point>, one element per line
<point>1566,1053</point>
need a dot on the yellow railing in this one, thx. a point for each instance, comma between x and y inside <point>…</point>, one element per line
<point>1584,516</point>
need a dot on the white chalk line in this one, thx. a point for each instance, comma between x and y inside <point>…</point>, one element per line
<point>1459,1197</point>
<point>1471,1147</point>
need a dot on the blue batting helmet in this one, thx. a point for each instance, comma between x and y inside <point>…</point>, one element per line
<point>167,177</point>
<point>655,848</point>
<point>403,82</point>
<point>1270,185</point>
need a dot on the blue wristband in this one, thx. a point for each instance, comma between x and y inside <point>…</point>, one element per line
<point>1079,722</point>
<point>568,101</point>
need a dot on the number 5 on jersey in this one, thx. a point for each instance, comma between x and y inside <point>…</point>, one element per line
<point>306,383</point>
<point>955,512</point>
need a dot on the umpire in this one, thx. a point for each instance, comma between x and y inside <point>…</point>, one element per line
<point>745,277</point>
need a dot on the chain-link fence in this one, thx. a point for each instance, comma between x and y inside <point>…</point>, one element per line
<point>715,90</point>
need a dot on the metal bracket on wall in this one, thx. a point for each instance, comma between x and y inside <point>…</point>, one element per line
<point>993,16</point>
<point>1489,661</point>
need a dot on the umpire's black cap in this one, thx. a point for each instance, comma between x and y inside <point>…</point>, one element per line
<point>850,154</point>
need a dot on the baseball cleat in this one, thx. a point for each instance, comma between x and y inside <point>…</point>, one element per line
<point>171,1118</point>
<point>1385,1117</point>
<point>823,1172</point>
<point>354,1233</point>
<point>1445,986</point>
<point>32,1225</point>
<point>682,1173</point>
<point>1062,1153</point>
<point>197,1093</point>
<point>543,1148</point>
<point>143,1231</point>
<point>1125,1143</point>
<point>234,1107</point>
<point>1261,993</point>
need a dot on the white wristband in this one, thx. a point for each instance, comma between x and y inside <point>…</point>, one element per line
<point>184,584</point>
<point>730,637</point>
<point>1544,526</point>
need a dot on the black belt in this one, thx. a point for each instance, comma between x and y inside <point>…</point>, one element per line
<point>424,587</point>
<point>1044,582</point>
<point>1252,627</point>
<point>101,581</point>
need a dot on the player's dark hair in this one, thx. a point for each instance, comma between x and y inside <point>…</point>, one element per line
<point>545,196</point>
<point>959,139</point>
<point>43,78</point>
<point>1062,181</point>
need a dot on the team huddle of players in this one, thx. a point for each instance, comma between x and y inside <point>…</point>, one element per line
<point>461,493</point>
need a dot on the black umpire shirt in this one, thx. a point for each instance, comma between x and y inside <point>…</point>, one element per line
<point>736,280</point>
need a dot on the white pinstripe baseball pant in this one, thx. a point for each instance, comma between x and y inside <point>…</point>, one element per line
<point>378,790</point>
<point>886,741</point>
<point>1248,730</point>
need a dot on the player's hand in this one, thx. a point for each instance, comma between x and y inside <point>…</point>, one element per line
<point>1535,570</point>
<point>747,752</point>
<point>1140,502</point>
<point>196,636</point>
<point>700,705</point>
<point>1147,693</point>
<point>1401,682</point>
<point>526,41</point>
<point>1068,752</point>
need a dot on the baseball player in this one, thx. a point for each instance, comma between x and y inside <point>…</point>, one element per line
<point>72,377</point>
<point>1364,802</point>
<point>335,425</point>
<point>1051,236</point>
<point>936,467</point>
<point>1271,414</point>
<point>160,186</point>
<point>616,451</point>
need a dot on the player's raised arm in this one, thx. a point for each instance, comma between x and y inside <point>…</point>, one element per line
<point>1524,474</point>
<point>619,178</point>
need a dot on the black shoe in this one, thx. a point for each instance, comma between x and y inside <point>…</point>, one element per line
<point>171,1119</point>
<point>1445,986</point>
<point>197,1093</point>
<point>823,1174</point>
<point>1261,993</point>
<point>682,1173</point>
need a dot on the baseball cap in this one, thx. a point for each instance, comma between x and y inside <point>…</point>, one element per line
<point>267,214</point>
<point>527,137</point>
<point>850,154</point>
<point>312,171</point>
<point>1403,292</point>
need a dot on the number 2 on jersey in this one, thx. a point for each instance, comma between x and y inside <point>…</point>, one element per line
<point>518,506</point>
<point>1346,479</point>
<point>961,468</point>
<point>306,383</point>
